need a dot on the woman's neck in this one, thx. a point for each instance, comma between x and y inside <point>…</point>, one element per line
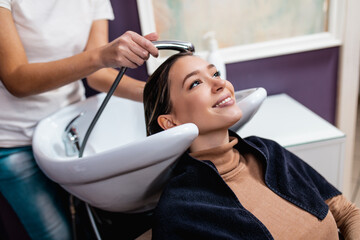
<point>210,140</point>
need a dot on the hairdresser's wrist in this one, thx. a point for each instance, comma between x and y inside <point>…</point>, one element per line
<point>96,59</point>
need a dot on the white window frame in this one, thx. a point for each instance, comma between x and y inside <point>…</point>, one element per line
<point>260,50</point>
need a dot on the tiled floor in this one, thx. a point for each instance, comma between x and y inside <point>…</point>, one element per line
<point>356,165</point>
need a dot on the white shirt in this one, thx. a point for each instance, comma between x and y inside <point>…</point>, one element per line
<point>49,30</point>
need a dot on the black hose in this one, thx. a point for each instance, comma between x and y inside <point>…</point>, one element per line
<point>102,107</point>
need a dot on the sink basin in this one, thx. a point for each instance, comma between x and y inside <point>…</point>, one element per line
<point>249,101</point>
<point>122,170</point>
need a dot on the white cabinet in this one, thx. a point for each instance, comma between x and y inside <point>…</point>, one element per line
<point>302,132</point>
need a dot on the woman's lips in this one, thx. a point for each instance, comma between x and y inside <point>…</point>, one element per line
<point>224,102</point>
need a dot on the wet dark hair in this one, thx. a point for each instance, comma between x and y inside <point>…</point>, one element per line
<point>157,94</point>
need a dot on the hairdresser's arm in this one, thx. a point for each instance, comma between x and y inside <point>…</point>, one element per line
<point>347,216</point>
<point>103,79</point>
<point>22,78</point>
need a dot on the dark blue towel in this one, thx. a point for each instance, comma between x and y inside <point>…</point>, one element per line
<point>198,204</point>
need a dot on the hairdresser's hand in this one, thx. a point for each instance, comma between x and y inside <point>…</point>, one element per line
<point>129,50</point>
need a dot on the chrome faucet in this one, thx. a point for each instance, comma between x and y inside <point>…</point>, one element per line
<point>70,137</point>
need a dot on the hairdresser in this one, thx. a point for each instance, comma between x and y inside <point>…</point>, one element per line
<point>46,47</point>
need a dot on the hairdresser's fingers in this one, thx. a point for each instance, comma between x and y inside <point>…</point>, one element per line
<point>139,51</point>
<point>126,52</point>
<point>127,58</point>
<point>135,43</point>
<point>136,54</point>
<point>116,54</point>
<point>152,36</point>
<point>134,58</point>
<point>146,43</point>
<point>132,64</point>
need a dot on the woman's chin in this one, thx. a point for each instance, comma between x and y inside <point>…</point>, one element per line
<point>232,123</point>
<point>221,126</point>
<point>234,117</point>
<point>219,122</point>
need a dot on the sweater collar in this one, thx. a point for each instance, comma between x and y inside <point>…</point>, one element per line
<point>225,158</point>
<point>285,174</point>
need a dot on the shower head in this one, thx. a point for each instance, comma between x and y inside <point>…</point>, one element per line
<point>175,45</point>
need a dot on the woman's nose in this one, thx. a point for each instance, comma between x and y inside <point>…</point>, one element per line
<point>218,84</point>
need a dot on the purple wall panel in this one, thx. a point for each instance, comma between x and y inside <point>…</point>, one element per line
<point>126,18</point>
<point>309,77</point>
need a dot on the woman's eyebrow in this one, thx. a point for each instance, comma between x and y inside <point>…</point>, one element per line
<point>189,75</point>
<point>196,72</point>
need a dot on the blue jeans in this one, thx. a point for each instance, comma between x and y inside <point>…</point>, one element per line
<point>34,197</point>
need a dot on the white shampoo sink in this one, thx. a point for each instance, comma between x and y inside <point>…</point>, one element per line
<point>122,170</point>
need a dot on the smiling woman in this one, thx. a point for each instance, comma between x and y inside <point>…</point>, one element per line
<point>207,100</point>
<point>226,187</point>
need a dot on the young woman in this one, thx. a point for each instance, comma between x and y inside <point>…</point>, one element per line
<point>226,187</point>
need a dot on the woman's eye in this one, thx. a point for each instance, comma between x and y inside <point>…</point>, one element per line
<point>217,74</point>
<point>194,84</point>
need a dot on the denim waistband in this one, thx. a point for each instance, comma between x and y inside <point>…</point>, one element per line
<point>8,151</point>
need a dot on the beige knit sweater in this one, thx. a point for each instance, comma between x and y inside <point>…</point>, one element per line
<point>284,220</point>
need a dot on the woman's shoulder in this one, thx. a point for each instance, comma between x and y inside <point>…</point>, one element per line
<point>192,179</point>
<point>187,169</point>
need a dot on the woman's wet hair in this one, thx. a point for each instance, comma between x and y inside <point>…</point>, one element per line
<point>157,94</point>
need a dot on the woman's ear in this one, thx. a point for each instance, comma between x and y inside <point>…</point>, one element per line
<point>166,121</point>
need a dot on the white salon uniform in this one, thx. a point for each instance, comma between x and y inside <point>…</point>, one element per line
<point>48,33</point>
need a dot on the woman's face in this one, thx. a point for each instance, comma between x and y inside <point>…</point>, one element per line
<point>199,95</point>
